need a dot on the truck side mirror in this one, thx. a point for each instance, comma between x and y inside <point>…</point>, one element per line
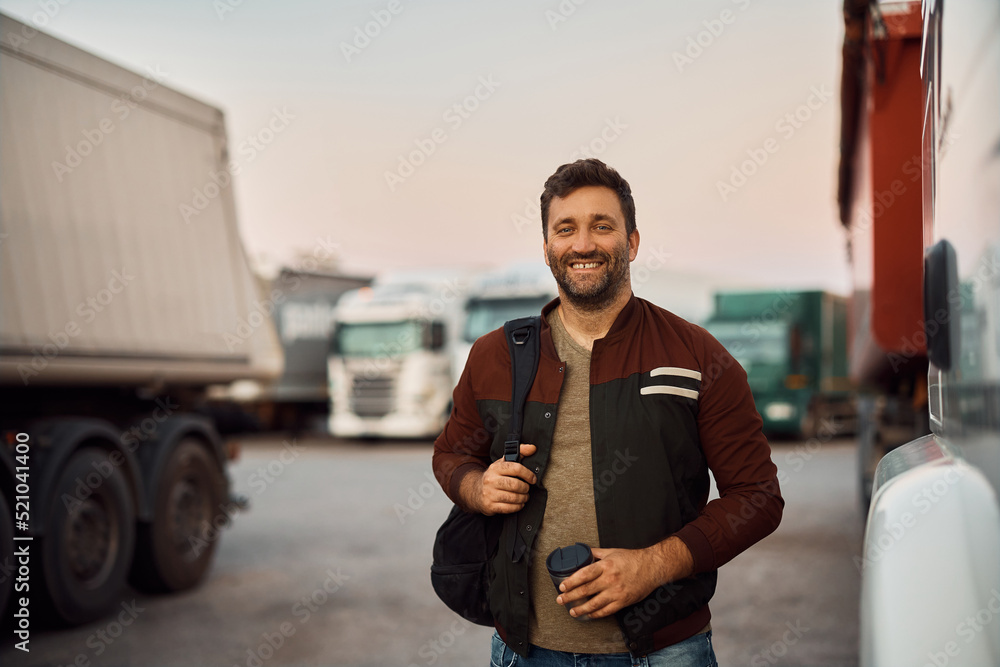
<point>942,304</point>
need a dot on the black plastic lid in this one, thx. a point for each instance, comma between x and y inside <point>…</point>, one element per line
<point>565,561</point>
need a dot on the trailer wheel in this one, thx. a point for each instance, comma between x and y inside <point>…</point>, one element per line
<point>6,554</point>
<point>90,538</point>
<point>174,552</point>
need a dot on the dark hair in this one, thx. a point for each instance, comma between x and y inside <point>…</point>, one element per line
<point>579,174</point>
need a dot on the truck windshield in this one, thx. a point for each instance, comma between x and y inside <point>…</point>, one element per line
<point>485,315</point>
<point>753,342</point>
<point>378,339</point>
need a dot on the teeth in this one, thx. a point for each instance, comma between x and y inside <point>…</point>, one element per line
<point>589,265</point>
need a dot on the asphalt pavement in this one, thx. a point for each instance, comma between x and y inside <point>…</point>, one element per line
<point>330,566</point>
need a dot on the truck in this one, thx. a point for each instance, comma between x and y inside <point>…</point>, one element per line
<point>793,346</point>
<point>391,357</point>
<point>517,290</point>
<point>880,199</point>
<point>920,169</point>
<point>305,314</point>
<point>124,295</point>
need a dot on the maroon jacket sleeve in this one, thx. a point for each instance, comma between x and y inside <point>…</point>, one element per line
<point>464,444</point>
<point>749,506</point>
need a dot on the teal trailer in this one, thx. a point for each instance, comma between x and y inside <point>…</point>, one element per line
<point>793,346</point>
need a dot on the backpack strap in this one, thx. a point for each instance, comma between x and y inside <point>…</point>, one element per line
<point>522,337</point>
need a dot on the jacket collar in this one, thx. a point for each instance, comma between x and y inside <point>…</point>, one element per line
<point>619,328</point>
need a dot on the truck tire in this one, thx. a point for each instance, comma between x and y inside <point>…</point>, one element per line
<point>89,538</point>
<point>175,550</point>
<point>6,554</point>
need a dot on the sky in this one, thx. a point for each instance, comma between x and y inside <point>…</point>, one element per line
<point>419,134</point>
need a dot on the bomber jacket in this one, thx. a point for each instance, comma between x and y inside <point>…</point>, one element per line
<point>668,403</point>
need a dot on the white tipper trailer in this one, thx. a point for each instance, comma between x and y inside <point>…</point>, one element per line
<point>124,294</point>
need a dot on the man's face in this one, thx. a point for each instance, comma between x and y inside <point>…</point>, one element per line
<point>587,248</point>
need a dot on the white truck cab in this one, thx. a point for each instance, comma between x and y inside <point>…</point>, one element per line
<point>390,364</point>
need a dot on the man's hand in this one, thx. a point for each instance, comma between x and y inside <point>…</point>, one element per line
<point>502,488</point>
<point>622,577</point>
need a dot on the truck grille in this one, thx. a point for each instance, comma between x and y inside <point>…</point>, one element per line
<point>372,396</point>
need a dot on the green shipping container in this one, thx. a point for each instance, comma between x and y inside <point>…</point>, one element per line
<point>793,346</point>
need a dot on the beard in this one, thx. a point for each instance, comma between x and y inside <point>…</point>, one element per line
<point>597,292</point>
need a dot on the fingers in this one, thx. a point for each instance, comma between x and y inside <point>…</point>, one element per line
<point>503,493</point>
<point>579,585</point>
<point>505,484</point>
<point>509,476</point>
<point>601,605</point>
<point>592,598</point>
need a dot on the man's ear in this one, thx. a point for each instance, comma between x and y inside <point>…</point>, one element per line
<point>545,251</point>
<point>633,245</point>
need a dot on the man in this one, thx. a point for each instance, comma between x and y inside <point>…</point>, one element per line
<point>630,409</point>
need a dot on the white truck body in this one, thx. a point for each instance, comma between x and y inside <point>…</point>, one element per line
<point>931,562</point>
<point>390,369</point>
<point>105,277</point>
<point>125,295</point>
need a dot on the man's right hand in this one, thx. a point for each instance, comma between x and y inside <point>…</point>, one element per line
<point>503,487</point>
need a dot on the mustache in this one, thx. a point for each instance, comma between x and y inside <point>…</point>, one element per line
<point>596,255</point>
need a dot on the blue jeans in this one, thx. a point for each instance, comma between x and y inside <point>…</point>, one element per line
<point>692,652</point>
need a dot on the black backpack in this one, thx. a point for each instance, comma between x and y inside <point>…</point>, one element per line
<point>467,541</point>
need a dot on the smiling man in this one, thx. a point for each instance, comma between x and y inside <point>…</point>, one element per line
<point>630,409</point>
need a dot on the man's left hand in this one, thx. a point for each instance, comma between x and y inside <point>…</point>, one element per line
<point>621,577</point>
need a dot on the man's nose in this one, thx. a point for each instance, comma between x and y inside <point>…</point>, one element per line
<point>583,243</point>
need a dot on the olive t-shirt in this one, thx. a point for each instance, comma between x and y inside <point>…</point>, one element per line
<point>570,513</point>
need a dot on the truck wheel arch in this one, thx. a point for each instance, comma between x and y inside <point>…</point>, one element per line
<point>56,440</point>
<point>153,459</point>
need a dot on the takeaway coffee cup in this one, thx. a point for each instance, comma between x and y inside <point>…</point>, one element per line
<point>563,562</point>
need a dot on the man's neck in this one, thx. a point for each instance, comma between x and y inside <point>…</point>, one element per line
<point>586,326</point>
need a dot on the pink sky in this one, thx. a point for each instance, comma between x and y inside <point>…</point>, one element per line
<point>533,83</point>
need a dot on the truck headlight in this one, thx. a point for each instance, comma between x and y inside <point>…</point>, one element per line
<point>779,411</point>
